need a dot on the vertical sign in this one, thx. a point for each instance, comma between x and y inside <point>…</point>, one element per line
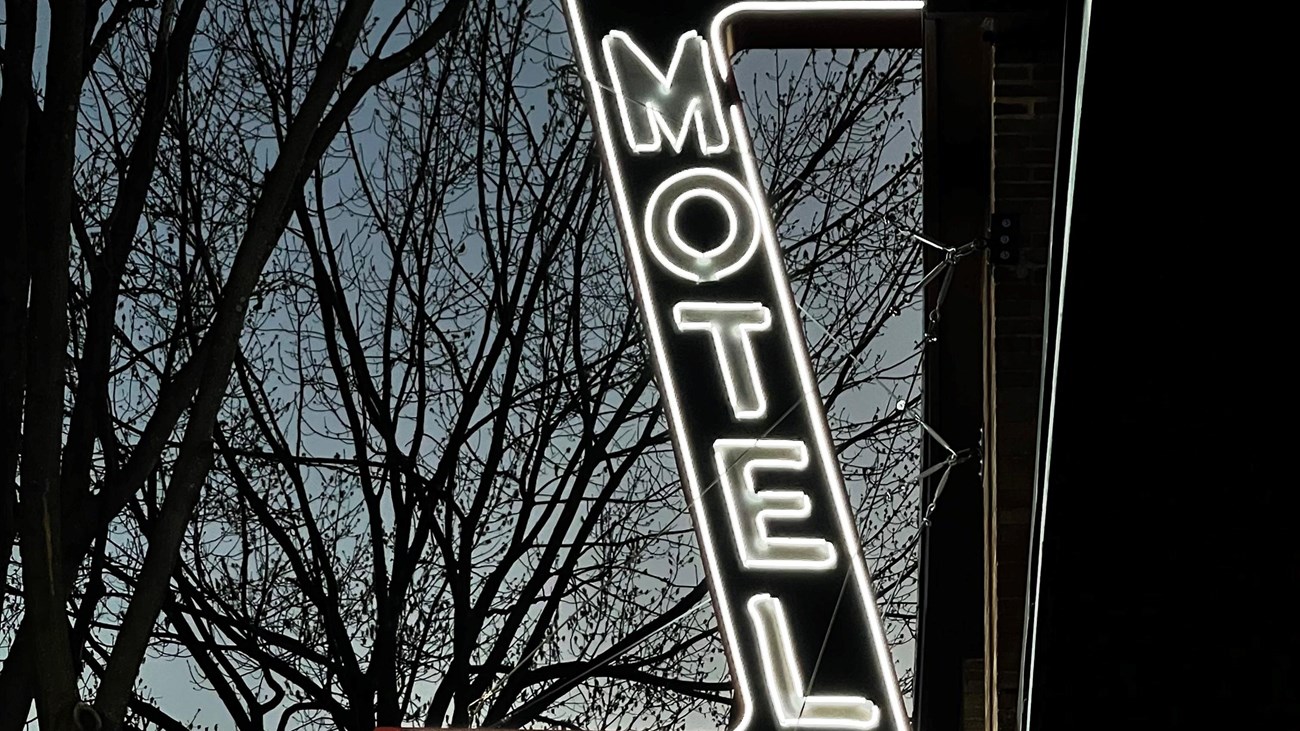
<point>793,597</point>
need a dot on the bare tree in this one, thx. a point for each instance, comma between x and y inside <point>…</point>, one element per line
<point>359,428</point>
<point>86,168</point>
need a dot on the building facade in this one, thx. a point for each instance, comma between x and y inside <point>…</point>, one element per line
<point>993,99</point>
<point>1122,558</point>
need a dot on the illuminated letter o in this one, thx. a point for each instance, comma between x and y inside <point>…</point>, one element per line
<point>677,255</point>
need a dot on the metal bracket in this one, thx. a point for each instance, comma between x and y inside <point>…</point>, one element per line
<point>1004,239</point>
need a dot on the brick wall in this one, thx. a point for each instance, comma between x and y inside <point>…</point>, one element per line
<point>1026,99</point>
<point>972,690</point>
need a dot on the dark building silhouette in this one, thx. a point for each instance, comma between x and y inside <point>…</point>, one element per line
<point>1119,557</point>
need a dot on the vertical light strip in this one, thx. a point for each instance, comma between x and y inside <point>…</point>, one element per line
<point>790,7</point>
<point>1025,721</point>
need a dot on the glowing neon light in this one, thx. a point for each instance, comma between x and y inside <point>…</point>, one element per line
<point>731,325</point>
<point>668,387</point>
<point>1029,659</point>
<point>679,280</point>
<point>750,510</point>
<point>794,8</point>
<point>825,449</point>
<point>680,257</point>
<point>645,132</point>
<point>785,683</point>
<point>733,224</point>
<point>637,260</point>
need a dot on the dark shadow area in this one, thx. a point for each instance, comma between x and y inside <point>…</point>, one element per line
<point>1169,554</point>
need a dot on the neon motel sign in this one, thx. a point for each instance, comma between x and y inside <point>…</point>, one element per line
<point>793,596</point>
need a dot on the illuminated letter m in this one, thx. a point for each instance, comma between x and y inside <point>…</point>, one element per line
<point>654,105</point>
